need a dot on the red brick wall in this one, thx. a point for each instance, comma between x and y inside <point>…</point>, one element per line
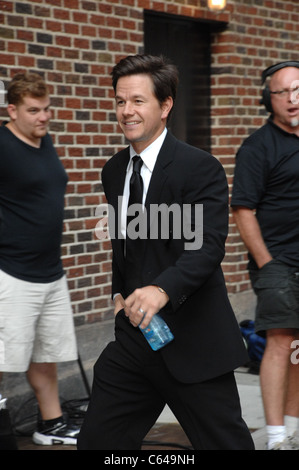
<point>74,44</point>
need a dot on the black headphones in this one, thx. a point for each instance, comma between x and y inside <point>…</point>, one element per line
<point>266,96</point>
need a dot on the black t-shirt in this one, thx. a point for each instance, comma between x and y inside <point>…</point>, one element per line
<point>267,179</point>
<point>32,188</point>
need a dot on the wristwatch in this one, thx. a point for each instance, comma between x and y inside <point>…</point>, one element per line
<point>161,290</point>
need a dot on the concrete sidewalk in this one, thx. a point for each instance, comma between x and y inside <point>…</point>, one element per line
<point>92,339</point>
<point>252,407</point>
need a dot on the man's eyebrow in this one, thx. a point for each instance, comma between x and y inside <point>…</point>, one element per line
<point>134,96</point>
<point>33,108</point>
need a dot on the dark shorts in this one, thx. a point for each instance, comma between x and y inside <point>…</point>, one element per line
<point>277,288</point>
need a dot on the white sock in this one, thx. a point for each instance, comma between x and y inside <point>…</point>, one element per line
<point>275,434</point>
<point>291,424</point>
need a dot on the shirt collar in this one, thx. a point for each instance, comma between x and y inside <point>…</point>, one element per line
<point>150,154</point>
<point>280,129</point>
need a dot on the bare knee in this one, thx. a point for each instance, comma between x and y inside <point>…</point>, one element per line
<point>41,375</point>
<point>279,342</point>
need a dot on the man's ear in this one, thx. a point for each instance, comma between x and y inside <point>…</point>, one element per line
<point>166,107</point>
<point>12,111</point>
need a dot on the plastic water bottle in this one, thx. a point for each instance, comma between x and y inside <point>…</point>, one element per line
<point>157,333</point>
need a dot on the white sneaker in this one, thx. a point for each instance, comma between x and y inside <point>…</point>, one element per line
<point>293,441</point>
<point>287,444</point>
<point>60,433</point>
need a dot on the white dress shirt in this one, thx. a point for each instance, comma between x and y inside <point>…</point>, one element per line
<point>149,157</point>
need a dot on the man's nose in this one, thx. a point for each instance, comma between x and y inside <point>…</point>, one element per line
<point>128,108</point>
<point>45,115</point>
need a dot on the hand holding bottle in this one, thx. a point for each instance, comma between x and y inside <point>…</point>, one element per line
<point>157,333</point>
<point>150,299</point>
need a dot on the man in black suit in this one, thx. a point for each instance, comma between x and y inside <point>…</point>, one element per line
<point>182,281</point>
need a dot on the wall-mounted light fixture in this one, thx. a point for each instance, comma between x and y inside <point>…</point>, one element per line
<point>216,5</point>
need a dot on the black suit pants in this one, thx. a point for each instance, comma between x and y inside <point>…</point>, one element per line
<point>131,387</point>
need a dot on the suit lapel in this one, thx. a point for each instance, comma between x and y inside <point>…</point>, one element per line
<point>160,174</point>
<point>158,180</point>
<point>116,194</point>
<point>119,177</point>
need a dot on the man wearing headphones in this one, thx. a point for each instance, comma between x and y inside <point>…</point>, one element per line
<point>266,210</point>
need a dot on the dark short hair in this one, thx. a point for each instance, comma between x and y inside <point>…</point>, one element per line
<point>26,84</point>
<point>162,72</point>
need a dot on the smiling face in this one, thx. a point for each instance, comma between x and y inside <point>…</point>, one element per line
<point>286,108</point>
<point>140,115</point>
<point>29,120</point>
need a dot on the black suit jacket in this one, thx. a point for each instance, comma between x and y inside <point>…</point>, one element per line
<point>207,340</point>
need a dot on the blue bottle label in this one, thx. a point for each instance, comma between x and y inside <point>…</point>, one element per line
<point>157,333</point>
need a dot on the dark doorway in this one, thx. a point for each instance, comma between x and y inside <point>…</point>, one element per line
<point>187,43</point>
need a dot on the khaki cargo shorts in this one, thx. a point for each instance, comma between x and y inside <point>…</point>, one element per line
<point>36,323</point>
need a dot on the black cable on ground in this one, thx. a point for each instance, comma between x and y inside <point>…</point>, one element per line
<point>74,410</point>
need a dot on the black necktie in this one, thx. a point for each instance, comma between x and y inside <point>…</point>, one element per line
<point>136,183</point>
<point>136,195</point>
